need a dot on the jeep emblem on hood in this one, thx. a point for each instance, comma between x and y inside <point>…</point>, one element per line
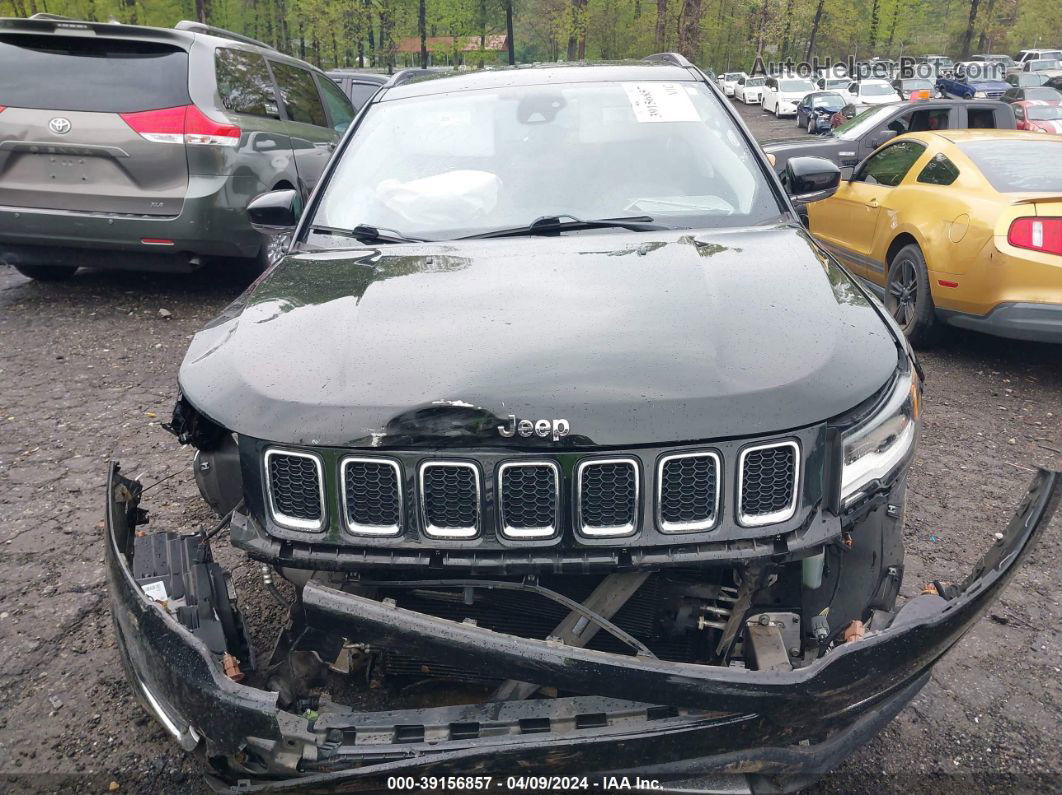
<point>544,428</point>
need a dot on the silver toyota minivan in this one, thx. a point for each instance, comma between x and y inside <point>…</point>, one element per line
<point>139,148</point>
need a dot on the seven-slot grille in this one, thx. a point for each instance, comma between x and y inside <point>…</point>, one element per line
<point>450,498</point>
<point>767,489</point>
<point>607,497</point>
<point>296,489</point>
<point>688,492</point>
<point>529,499</point>
<point>372,496</point>
<point>607,500</point>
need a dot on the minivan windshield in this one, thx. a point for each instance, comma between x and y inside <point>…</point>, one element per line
<point>472,162</point>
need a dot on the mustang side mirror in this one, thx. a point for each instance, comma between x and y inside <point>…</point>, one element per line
<point>276,211</point>
<point>878,138</point>
<point>811,179</point>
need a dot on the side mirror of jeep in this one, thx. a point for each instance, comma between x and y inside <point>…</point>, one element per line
<point>811,179</point>
<point>275,211</point>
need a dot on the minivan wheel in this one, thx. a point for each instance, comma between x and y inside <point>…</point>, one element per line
<point>47,273</point>
<point>908,297</point>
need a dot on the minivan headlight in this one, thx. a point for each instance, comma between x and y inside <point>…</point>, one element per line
<point>875,448</point>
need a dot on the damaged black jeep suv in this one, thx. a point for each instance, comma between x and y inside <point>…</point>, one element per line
<point>567,452</point>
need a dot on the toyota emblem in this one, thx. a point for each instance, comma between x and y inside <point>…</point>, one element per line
<point>59,125</point>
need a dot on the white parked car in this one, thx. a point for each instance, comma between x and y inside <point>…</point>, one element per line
<point>749,90</point>
<point>1048,67</point>
<point>782,94</point>
<point>872,92</point>
<point>729,81</point>
<point>833,84</point>
<point>1038,55</point>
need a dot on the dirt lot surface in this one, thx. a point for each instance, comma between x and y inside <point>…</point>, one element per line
<point>87,373</point>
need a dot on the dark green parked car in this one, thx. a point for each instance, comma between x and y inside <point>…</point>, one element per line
<point>140,148</point>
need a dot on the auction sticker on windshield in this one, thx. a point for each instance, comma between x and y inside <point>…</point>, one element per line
<point>666,102</point>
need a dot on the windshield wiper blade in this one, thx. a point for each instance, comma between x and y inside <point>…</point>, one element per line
<point>368,234</point>
<point>550,224</point>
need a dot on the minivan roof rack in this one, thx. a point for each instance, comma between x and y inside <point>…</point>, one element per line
<point>199,27</point>
<point>51,17</point>
<point>675,58</point>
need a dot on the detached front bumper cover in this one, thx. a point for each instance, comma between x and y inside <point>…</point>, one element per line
<point>699,722</point>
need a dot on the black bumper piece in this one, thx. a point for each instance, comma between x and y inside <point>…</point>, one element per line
<point>716,721</point>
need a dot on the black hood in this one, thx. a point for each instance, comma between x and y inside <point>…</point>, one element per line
<point>634,339</point>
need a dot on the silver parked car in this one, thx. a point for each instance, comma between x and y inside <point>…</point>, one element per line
<point>139,148</point>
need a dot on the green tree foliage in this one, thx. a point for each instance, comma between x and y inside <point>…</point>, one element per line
<point>722,34</point>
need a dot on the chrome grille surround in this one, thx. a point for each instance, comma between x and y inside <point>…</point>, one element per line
<point>599,531</point>
<point>772,517</point>
<point>449,532</point>
<point>285,520</point>
<point>712,519</point>
<point>543,531</point>
<point>372,529</point>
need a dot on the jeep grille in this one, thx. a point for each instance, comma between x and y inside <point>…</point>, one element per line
<point>372,496</point>
<point>607,503</point>
<point>529,499</point>
<point>449,499</point>
<point>768,487</point>
<point>688,492</point>
<point>296,493</point>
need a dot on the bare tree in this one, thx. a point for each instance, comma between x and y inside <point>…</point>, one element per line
<point>689,42</point>
<point>577,32</point>
<point>508,31</point>
<point>875,21</point>
<point>661,25</point>
<point>814,30</point>
<point>422,28</point>
<point>967,36</point>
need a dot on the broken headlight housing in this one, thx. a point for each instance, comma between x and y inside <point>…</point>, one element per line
<point>874,449</point>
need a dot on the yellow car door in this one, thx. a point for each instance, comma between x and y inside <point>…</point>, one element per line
<point>848,221</point>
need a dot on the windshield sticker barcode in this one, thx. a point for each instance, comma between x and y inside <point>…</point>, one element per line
<point>660,102</point>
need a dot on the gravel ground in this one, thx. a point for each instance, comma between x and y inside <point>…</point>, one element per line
<point>87,372</point>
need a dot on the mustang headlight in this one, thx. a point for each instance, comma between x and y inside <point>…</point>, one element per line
<point>875,448</point>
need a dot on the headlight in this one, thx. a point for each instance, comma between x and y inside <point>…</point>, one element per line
<point>876,447</point>
<point>980,95</point>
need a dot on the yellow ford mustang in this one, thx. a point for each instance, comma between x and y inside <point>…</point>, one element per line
<point>959,226</point>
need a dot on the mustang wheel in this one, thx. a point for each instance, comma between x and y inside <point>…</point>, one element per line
<point>908,297</point>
